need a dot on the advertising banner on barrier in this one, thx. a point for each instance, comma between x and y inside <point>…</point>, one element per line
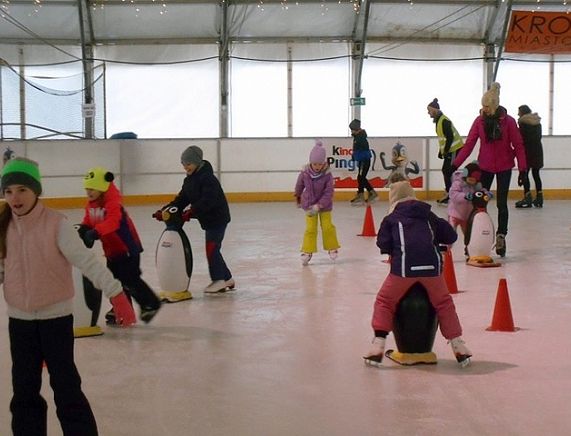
<point>389,155</point>
<point>539,32</point>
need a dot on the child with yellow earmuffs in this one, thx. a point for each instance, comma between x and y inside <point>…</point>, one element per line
<point>107,220</point>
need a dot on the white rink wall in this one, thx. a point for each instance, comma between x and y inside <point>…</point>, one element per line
<point>244,165</point>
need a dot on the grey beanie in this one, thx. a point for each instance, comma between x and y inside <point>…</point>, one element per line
<point>192,155</point>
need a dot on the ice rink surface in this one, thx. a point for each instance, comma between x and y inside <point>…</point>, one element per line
<point>281,356</point>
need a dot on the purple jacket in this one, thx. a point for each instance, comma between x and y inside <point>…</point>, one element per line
<point>458,206</point>
<point>410,235</point>
<point>497,155</point>
<point>314,188</point>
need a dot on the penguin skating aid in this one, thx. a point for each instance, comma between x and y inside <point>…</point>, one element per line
<point>173,258</point>
<point>480,235</point>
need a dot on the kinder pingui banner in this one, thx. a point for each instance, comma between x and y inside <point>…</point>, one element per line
<point>390,155</point>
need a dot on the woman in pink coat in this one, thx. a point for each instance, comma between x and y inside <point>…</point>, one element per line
<point>500,143</point>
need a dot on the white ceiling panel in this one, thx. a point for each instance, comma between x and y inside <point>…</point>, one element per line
<point>147,22</point>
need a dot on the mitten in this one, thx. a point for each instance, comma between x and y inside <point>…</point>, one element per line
<point>89,237</point>
<point>158,215</point>
<point>187,215</point>
<point>440,155</point>
<point>82,230</point>
<point>313,210</point>
<point>124,313</point>
<point>469,196</point>
<point>522,177</point>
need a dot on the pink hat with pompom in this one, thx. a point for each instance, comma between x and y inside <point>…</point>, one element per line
<point>318,154</point>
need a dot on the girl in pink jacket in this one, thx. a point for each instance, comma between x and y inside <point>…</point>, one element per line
<point>500,143</point>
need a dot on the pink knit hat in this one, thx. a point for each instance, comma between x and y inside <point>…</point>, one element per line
<point>318,155</point>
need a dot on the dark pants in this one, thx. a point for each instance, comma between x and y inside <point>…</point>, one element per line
<point>447,170</point>
<point>128,272</point>
<point>536,179</point>
<point>216,265</point>
<point>362,171</point>
<point>502,190</point>
<point>32,343</point>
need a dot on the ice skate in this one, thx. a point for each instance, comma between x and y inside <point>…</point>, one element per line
<point>538,202</point>
<point>305,258</point>
<point>333,254</point>
<point>215,287</point>
<point>375,355</point>
<point>372,196</point>
<point>461,351</point>
<point>147,313</point>
<point>444,200</point>
<point>358,200</point>
<point>501,245</point>
<point>110,318</point>
<point>525,203</point>
<point>230,284</point>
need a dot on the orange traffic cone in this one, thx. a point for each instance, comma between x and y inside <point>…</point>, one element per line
<point>368,224</point>
<point>502,321</point>
<point>449,273</point>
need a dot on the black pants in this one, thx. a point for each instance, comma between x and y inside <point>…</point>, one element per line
<point>502,190</point>
<point>446,169</point>
<point>536,179</point>
<point>32,343</point>
<point>127,271</point>
<point>362,171</point>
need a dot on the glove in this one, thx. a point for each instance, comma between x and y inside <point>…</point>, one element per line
<point>89,237</point>
<point>440,155</point>
<point>469,196</point>
<point>124,314</point>
<point>187,215</point>
<point>522,178</point>
<point>298,201</point>
<point>313,210</point>
<point>158,215</point>
<point>82,230</point>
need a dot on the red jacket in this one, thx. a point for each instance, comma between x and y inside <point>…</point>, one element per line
<point>498,155</point>
<point>115,228</point>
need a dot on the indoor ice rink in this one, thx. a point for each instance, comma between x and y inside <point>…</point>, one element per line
<point>282,355</point>
<point>254,83</point>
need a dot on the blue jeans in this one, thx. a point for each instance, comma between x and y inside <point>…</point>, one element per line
<point>216,265</point>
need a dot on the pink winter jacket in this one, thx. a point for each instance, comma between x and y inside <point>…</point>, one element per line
<point>42,246</point>
<point>495,156</point>
<point>458,206</point>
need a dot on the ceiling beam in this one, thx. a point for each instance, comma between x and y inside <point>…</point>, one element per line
<point>518,3</point>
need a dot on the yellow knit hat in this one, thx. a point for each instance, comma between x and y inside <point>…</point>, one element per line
<point>98,179</point>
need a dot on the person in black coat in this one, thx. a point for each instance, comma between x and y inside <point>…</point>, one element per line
<point>530,129</point>
<point>202,191</point>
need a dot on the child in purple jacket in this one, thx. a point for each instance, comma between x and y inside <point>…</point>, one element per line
<point>411,235</point>
<point>314,194</point>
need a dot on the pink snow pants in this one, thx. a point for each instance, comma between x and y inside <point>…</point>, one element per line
<point>393,289</point>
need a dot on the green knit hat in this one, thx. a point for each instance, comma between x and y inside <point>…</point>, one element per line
<point>22,171</point>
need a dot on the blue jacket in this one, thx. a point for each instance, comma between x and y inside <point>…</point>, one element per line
<point>411,235</point>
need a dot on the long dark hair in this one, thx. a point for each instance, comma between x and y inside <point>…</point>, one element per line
<point>5,216</point>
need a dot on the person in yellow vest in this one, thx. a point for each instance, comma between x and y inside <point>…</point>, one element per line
<point>449,142</point>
